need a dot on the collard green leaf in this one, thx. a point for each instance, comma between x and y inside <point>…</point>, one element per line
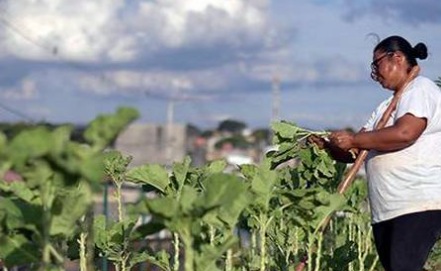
<point>206,260</point>
<point>217,166</point>
<point>30,144</point>
<point>104,129</point>
<point>336,202</point>
<point>219,190</point>
<point>153,175</point>
<point>164,206</point>
<point>21,191</point>
<point>152,227</point>
<point>263,184</point>
<point>68,209</point>
<point>20,214</point>
<point>180,171</point>
<point>248,171</point>
<point>188,197</point>
<point>16,250</point>
<point>284,129</point>
<point>161,260</point>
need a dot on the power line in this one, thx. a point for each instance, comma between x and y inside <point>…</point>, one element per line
<point>7,20</point>
<point>17,113</point>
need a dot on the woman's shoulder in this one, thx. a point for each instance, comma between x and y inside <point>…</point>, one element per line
<point>423,86</point>
<point>425,83</point>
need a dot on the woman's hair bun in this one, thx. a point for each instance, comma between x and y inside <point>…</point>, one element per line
<point>420,51</point>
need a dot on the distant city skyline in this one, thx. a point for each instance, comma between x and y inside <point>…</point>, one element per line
<point>68,61</point>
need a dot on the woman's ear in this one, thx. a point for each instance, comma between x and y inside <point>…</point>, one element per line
<point>400,58</point>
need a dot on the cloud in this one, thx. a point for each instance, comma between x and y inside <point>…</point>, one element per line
<point>97,31</point>
<point>26,90</point>
<point>413,12</point>
<point>291,70</point>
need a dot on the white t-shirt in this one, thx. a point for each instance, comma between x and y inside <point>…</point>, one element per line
<point>408,180</point>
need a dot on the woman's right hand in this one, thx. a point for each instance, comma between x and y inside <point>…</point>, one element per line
<point>317,140</point>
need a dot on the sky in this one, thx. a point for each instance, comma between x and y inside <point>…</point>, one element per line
<point>68,61</point>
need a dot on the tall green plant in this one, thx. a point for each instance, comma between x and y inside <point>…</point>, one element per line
<point>39,215</point>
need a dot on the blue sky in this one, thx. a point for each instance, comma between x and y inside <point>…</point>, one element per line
<point>67,61</point>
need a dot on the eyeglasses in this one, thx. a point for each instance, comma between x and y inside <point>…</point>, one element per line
<point>376,63</point>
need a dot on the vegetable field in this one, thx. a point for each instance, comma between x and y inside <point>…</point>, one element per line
<point>264,217</point>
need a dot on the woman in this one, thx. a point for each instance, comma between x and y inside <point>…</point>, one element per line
<point>404,162</point>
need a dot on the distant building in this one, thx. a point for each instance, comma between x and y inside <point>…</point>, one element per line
<point>153,144</point>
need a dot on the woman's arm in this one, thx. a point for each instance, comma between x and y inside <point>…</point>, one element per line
<point>402,134</point>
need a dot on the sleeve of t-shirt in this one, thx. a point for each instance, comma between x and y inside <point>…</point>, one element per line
<point>416,102</point>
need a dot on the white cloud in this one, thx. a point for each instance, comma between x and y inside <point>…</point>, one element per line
<point>166,83</point>
<point>119,30</point>
<point>26,90</point>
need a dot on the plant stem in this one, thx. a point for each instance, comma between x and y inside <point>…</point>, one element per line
<point>82,243</point>
<point>229,260</point>
<point>374,264</point>
<point>360,250</point>
<point>311,239</point>
<point>176,250</point>
<point>118,196</point>
<point>296,240</point>
<point>46,235</point>
<point>189,257</point>
<point>263,226</point>
<point>253,243</point>
<point>212,234</point>
<point>319,251</point>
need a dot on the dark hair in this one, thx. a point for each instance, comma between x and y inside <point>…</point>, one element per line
<point>397,43</point>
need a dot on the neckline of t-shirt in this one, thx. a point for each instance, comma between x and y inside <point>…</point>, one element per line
<point>406,90</point>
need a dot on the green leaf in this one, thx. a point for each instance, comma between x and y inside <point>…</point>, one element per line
<point>68,209</point>
<point>20,190</point>
<point>152,227</point>
<point>166,207</point>
<point>336,202</point>
<point>284,129</point>
<point>161,260</point>
<point>102,131</point>
<point>30,144</point>
<point>248,171</point>
<point>342,256</point>
<point>240,198</point>
<point>263,184</point>
<point>219,190</point>
<point>217,166</point>
<point>99,231</point>
<point>188,198</point>
<point>206,260</point>
<point>20,214</point>
<point>16,250</point>
<point>180,171</point>
<point>154,175</point>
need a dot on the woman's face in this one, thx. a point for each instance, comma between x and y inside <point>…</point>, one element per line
<point>388,69</point>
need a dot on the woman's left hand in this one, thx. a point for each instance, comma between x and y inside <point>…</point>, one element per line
<point>342,139</point>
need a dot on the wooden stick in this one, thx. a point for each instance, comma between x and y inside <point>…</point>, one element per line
<point>361,157</point>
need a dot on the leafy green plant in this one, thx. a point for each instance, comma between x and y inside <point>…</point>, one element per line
<point>280,203</point>
<point>42,213</point>
<point>195,203</point>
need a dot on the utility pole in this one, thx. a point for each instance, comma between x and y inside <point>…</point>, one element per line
<point>169,130</point>
<point>275,116</point>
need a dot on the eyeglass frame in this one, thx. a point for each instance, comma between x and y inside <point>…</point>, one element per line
<point>376,63</point>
